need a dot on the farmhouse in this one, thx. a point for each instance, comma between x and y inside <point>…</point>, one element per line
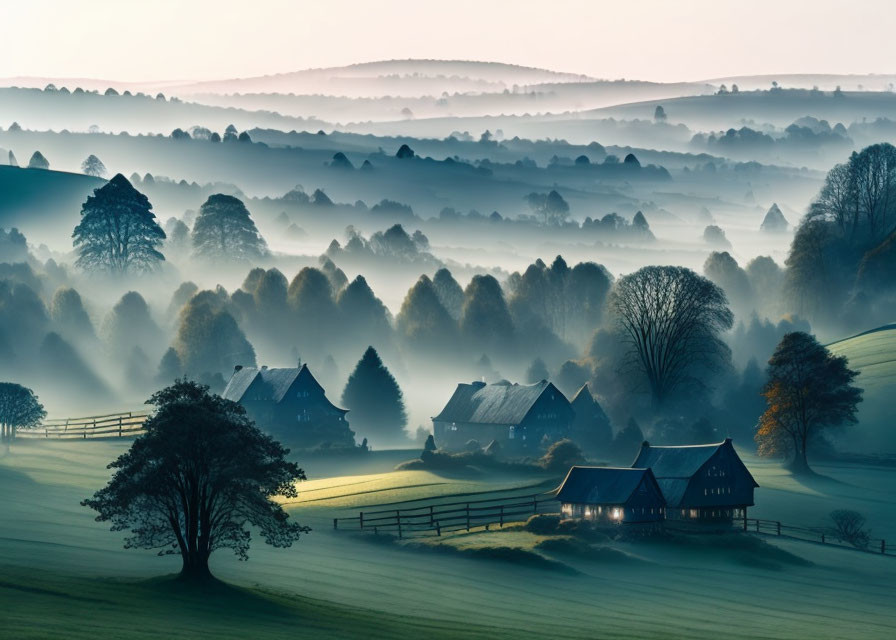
<point>611,495</point>
<point>706,482</point>
<point>517,416</point>
<point>290,404</point>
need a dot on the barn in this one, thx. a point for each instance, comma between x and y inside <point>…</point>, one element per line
<point>702,483</point>
<point>611,495</point>
<point>291,405</point>
<point>517,416</point>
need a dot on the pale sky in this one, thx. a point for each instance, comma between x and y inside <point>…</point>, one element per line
<point>150,40</point>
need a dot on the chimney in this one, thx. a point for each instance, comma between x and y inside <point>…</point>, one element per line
<point>238,367</point>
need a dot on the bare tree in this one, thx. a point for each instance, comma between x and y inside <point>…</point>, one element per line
<point>849,527</point>
<point>670,319</point>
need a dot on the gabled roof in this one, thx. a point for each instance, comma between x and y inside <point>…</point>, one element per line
<point>277,382</point>
<point>682,462</point>
<point>584,401</point>
<point>499,403</point>
<point>603,485</point>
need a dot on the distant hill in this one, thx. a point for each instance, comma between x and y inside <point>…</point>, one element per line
<point>44,205</point>
<point>873,354</point>
<point>824,81</point>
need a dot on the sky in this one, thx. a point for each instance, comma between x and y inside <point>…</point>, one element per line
<point>668,40</point>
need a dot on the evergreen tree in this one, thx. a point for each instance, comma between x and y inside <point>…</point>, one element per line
<point>118,232</point>
<point>93,166</point>
<point>450,293</point>
<point>208,339</point>
<point>224,231</point>
<point>38,161</point>
<point>375,400</point>
<point>422,321</point>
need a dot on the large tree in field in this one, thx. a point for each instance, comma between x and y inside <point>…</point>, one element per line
<point>375,400</point>
<point>199,477</point>
<point>19,408</point>
<point>225,232</point>
<point>808,390</point>
<point>670,319</point>
<point>118,232</point>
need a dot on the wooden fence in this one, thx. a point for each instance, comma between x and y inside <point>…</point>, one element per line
<point>450,516</point>
<point>112,425</point>
<point>810,534</point>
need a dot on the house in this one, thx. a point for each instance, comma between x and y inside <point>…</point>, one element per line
<point>291,405</point>
<point>705,483</point>
<point>611,495</point>
<point>517,416</point>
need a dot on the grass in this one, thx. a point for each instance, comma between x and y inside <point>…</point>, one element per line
<point>873,354</point>
<point>64,575</point>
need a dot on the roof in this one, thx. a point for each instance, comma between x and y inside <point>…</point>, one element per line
<point>499,403</point>
<point>583,400</point>
<point>674,467</point>
<point>602,485</point>
<point>676,462</point>
<point>279,381</point>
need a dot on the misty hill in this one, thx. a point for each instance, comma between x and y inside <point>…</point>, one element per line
<point>873,354</point>
<point>824,81</point>
<point>81,110</point>
<point>37,201</point>
<point>779,107</point>
<point>389,77</point>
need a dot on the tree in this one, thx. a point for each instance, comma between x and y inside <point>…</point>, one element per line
<point>808,390</point>
<point>38,161</point>
<point>659,114</point>
<point>118,232</point>
<point>93,166</point>
<point>404,152</point>
<point>450,293</point>
<point>224,231</point>
<point>423,322</point>
<point>375,400</point>
<point>550,206</point>
<point>19,408</point>
<point>208,339</point>
<point>197,479</point>
<point>485,319</point>
<point>670,319</point>
<point>68,313</point>
<point>561,455</point>
<point>849,527</point>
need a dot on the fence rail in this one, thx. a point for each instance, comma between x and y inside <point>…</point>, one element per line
<point>820,535</point>
<point>128,424</point>
<point>449,516</point>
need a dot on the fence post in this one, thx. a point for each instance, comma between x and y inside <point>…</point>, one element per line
<point>438,529</point>
<point>119,426</point>
<point>361,520</point>
<point>883,546</point>
<point>757,525</point>
<point>430,516</point>
<point>535,504</point>
<point>779,527</point>
<point>335,523</point>
<point>822,537</point>
<point>468,516</point>
<point>501,516</point>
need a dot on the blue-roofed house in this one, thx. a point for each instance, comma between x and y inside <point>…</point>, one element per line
<point>611,495</point>
<point>517,416</point>
<point>706,482</point>
<point>291,405</point>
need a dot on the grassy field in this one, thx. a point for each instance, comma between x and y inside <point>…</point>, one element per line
<point>62,574</point>
<point>873,354</point>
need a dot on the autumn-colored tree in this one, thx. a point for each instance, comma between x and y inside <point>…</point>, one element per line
<point>809,389</point>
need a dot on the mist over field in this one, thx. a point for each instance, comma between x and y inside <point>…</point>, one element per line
<point>375,290</point>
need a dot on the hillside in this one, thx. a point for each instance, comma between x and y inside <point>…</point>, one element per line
<point>35,201</point>
<point>873,354</point>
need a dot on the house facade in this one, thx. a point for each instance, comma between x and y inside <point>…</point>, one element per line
<point>291,405</point>
<point>700,483</point>
<point>606,495</point>
<point>518,416</point>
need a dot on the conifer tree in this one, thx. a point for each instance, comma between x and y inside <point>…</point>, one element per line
<point>375,400</point>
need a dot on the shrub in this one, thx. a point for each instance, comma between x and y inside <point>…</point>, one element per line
<point>542,524</point>
<point>849,528</point>
<point>562,455</point>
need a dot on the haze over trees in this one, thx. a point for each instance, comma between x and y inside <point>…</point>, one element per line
<point>118,232</point>
<point>808,391</point>
<point>93,166</point>
<point>196,481</point>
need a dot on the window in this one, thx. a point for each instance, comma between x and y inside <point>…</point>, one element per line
<point>512,433</point>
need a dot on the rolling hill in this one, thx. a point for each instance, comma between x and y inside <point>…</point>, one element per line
<point>873,354</point>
